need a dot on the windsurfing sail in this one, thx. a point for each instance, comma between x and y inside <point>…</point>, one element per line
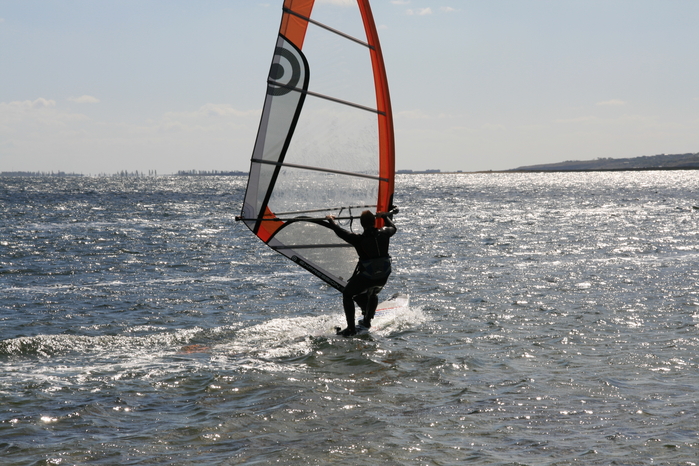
<point>325,143</point>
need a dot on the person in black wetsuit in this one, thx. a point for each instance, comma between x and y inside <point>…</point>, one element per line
<point>372,270</point>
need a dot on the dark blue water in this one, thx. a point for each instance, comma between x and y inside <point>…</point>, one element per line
<point>553,320</point>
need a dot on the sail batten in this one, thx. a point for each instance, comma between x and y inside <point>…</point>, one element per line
<point>328,28</point>
<point>298,212</point>
<point>326,97</point>
<point>325,138</point>
<point>312,246</point>
<point>320,169</point>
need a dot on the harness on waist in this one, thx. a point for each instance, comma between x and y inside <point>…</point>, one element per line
<point>376,268</point>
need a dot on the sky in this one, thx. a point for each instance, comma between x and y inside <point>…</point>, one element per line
<point>104,86</point>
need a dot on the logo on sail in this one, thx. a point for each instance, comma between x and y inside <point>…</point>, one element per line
<point>286,71</point>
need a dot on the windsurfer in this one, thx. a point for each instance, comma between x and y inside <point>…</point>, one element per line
<point>373,268</point>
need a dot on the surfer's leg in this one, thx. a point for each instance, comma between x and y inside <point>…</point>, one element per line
<point>361,301</point>
<point>348,305</point>
<point>354,287</point>
<point>372,303</point>
<point>373,300</point>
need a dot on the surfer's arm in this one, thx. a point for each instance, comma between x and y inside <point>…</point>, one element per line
<point>390,227</point>
<point>339,231</point>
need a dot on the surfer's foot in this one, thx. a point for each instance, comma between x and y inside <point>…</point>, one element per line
<point>366,323</point>
<point>348,332</point>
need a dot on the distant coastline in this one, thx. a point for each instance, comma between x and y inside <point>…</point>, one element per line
<point>688,161</point>
<point>210,173</point>
<point>24,174</point>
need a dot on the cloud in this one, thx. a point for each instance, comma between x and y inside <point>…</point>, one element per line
<point>413,115</point>
<point>421,115</point>
<point>581,119</point>
<point>32,120</point>
<point>493,127</point>
<point>44,135</point>
<point>625,120</point>
<point>419,11</point>
<point>85,99</point>
<point>400,2</point>
<point>212,111</point>
<point>611,103</point>
<point>447,9</point>
<point>25,106</point>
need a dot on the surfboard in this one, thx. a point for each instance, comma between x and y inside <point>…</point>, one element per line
<point>392,305</point>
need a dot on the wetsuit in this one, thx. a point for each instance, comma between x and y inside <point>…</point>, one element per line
<point>371,273</point>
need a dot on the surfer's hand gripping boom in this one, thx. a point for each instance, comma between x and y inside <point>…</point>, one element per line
<point>387,214</point>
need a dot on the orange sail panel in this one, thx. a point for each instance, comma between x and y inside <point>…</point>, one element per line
<point>293,25</point>
<point>387,165</point>
<point>325,144</point>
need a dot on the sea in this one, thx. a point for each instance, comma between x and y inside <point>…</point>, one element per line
<point>553,320</point>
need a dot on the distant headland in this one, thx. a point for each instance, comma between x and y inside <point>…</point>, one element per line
<point>647,162</point>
